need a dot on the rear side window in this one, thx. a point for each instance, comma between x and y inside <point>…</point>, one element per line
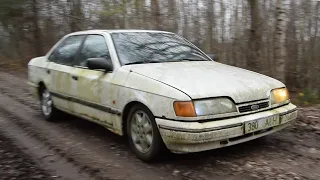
<point>95,46</point>
<point>65,53</point>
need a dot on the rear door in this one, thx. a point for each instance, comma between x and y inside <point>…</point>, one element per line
<point>91,90</point>
<point>60,70</point>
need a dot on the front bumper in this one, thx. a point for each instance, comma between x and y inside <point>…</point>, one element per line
<point>184,137</point>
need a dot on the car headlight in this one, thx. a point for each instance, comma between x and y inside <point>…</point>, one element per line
<point>280,96</point>
<point>214,106</point>
<point>204,107</point>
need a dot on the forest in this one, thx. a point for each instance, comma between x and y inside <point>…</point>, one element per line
<point>278,38</point>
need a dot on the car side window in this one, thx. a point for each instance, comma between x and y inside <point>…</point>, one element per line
<point>95,46</point>
<point>66,52</point>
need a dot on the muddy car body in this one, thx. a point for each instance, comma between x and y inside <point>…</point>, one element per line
<point>159,90</point>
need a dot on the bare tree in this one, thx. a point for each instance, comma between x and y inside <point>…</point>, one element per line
<point>125,14</point>
<point>210,21</point>
<point>155,8</point>
<point>254,36</point>
<point>316,47</point>
<point>172,13</point>
<point>280,40</point>
<point>37,31</point>
<point>76,15</point>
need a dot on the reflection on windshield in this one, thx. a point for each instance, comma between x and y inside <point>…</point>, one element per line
<point>145,47</point>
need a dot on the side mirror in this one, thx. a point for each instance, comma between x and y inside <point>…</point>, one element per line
<point>212,56</point>
<point>99,63</point>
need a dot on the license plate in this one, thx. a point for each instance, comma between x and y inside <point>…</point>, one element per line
<point>288,117</point>
<point>260,124</point>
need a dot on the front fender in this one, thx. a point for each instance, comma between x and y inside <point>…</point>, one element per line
<point>37,72</point>
<point>158,97</point>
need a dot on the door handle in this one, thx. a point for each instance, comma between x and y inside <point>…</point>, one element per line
<point>48,71</point>
<point>75,78</point>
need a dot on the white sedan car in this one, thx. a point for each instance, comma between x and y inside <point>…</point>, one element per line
<point>158,90</point>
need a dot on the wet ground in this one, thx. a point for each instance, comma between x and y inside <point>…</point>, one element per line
<point>72,148</point>
<point>17,164</point>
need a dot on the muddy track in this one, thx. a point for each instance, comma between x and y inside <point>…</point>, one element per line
<point>48,158</point>
<point>290,154</point>
<point>34,134</point>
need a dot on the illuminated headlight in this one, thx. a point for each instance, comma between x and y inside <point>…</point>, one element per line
<point>214,106</point>
<point>280,96</point>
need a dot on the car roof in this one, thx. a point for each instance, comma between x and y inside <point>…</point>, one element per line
<point>99,31</point>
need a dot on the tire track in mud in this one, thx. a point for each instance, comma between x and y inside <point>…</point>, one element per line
<point>47,158</point>
<point>32,133</point>
<point>18,98</point>
<point>195,166</point>
<point>17,88</point>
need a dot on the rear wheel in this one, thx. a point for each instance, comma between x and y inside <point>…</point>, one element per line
<point>143,134</point>
<point>47,107</point>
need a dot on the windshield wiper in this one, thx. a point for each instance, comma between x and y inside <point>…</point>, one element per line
<point>179,60</point>
<point>143,62</point>
<point>186,59</point>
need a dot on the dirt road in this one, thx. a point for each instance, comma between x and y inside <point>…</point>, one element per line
<point>72,148</point>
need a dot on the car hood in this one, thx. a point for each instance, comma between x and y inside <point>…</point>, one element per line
<point>205,79</point>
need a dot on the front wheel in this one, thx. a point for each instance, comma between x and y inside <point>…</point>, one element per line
<point>143,134</point>
<point>47,107</point>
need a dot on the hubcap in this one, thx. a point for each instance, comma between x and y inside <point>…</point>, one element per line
<point>141,131</point>
<point>46,102</point>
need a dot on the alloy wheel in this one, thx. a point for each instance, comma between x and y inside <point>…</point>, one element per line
<point>141,131</point>
<point>46,102</point>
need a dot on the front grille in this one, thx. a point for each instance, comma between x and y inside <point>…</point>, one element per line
<point>257,106</point>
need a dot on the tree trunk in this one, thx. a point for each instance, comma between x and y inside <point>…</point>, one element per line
<point>197,25</point>
<point>37,30</point>
<point>223,55</point>
<point>76,15</point>
<point>173,16</point>
<point>280,40</point>
<point>125,16</point>
<point>315,48</point>
<point>139,7</point>
<point>255,39</point>
<point>292,47</point>
<point>210,21</point>
<point>156,14</point>
<point>185,28</point>
<point>49,27</point>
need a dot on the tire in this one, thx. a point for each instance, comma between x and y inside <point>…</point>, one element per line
<point>46,105</point>
<point>143,134</point>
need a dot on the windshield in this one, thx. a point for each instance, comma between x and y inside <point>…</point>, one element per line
<point>150,47</point>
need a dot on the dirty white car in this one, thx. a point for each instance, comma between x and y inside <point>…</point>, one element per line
<point>159,90</point>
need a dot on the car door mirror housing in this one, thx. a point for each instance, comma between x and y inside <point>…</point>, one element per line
<point>99,63</point>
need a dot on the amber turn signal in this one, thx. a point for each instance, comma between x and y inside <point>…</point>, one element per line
<point>184,109</point>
